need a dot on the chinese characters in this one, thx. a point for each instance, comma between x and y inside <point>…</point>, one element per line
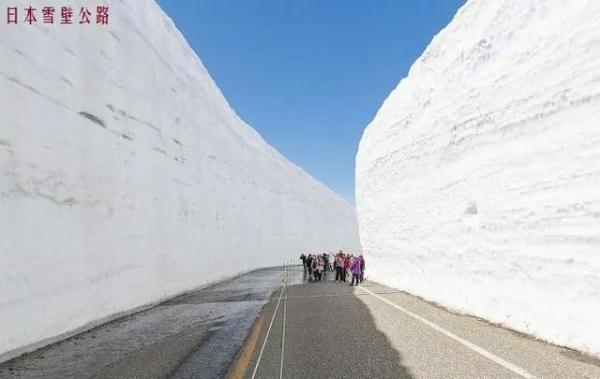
<point>64,15</point>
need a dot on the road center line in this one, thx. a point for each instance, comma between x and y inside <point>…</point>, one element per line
<point>517,370</point>
<point>262,349</point>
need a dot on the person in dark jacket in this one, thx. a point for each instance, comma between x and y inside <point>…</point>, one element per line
<point>362,268</point>
<point>309,261</point>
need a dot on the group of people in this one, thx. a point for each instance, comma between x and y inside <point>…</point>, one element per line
<point>343,264</point>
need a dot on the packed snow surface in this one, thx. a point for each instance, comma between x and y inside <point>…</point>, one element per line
<point>126,178</point>
<point>478,181</point>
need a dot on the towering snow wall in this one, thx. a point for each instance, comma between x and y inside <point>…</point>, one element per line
<point>478,181</point>
<point>126,178</point>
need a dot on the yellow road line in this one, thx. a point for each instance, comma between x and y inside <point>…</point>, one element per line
<point>243,361</point>
<point>262,349</point>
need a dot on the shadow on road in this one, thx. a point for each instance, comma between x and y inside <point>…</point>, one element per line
<point>330,333</point>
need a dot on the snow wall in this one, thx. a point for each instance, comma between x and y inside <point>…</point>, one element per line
<point>478,181</point>
<point>126,178</point>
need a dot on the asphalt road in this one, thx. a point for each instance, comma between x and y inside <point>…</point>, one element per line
<point>331,330</point>
<point>260,326</point>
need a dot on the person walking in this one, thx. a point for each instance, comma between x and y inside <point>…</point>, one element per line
<point>339,267</point>
<point>320,268</point>
<point>355,269</point>
<point>346,267</point>
<point>317,268</point>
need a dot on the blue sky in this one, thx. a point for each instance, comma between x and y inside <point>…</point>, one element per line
<point>309,75</point>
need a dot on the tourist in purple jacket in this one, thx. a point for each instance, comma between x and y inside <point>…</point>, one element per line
<point>355,268</point>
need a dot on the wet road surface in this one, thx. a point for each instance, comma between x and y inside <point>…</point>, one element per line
<point>193,336</point>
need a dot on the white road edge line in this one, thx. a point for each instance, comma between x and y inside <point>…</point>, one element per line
<point>517,370</point>
<point>262,349</point>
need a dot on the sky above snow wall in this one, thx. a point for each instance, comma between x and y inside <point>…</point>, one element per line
<point>126,178</point>
<point>478,182</point>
